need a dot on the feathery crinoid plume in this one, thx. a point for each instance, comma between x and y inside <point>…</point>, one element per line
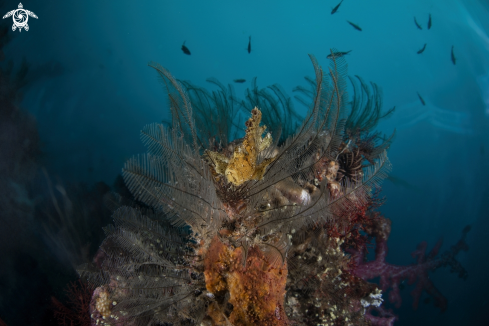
<point>215,249</point>
<point>143,273</point>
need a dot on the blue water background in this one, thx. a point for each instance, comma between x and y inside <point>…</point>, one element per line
<point>92,91</point>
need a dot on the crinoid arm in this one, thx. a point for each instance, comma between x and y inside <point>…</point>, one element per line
<point>143,276</point>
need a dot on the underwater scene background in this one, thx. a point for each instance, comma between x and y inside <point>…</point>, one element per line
<point>76,90</point>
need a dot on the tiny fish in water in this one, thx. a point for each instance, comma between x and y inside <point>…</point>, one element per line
<point>240,81</point>
<point>416,22</point>
<point>249,45</point>
<point>185,49</point>
<point>421,99</point>
<point>337,54</point>
<point>454,60</point>
<point>354,26</point>
<point>335,9</point>
<point>422,49</point>
<point>429,22</point>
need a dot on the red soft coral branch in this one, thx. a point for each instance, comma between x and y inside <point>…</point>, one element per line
<point>384,318</point>
<point>391,275</point>
<point>79,296</point>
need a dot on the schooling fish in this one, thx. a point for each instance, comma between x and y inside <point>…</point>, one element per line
<point>249,45</point>
<point>240,81</point>
<point>421,99</point>
<point>422,49</point>
<point>429,22</point>
<point>454,60</point>
<point>416,22</point>
<point>185,49</point>
<point>354,26</point>
<point>337,54</point>
<point>335,9</point>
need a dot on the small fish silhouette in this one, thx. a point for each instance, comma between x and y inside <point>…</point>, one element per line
<point>422,49</point>
<point>416,22</point>
<point>249,45</point>
<point>429,22</point>
<point>421,99</point>
<point>335,9</point>
<point>354,26</point>
<point>185,49</point>
<point>337,54</point>
<point>240,81</point>
<point>454,60</point>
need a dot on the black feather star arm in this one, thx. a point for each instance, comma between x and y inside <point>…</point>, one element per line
<point>216,113</point>
<point>144,277</point>
<point>173,178</point>
<point>230,217</point>
<point>180,106</point>
<point>364,114</point>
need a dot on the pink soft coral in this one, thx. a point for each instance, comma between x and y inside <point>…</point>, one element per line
<point>391,275</point>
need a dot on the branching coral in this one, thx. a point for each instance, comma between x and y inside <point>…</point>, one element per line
<point>391,276</point>
<point>77,313</point>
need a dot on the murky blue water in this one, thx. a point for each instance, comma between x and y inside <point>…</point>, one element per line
<point>91,91</point>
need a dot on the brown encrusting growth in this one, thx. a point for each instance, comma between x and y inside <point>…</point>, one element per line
<point>251,293</point>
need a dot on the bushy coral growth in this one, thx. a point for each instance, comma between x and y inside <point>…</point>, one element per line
<point>391,276</point>
<point>77,312</point>
<point>324,291</point>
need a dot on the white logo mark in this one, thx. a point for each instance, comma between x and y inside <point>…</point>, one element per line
<point>20,17</point>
